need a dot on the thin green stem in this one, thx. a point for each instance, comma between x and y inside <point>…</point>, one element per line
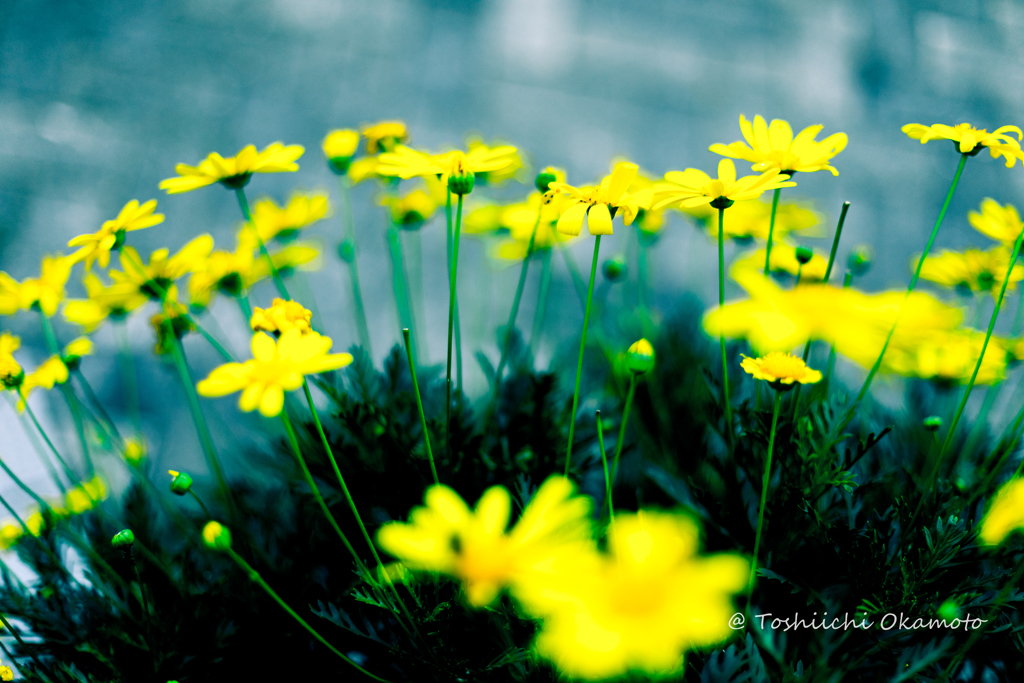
<point>452,287</point>
<point>349,255</point>
<point>69,398</point>
<point>574,273</point>
<point>579,363</point>
<point>100,415</point>
<point>202,429</point>
<point>255,577</point>
<point>245,307</point>
<point>419,404</point>
<point>910,287</point>
<point>243,204</point>
<point>515,306</point>
<point>721,302</point>
<point>604,465</point>
<point>205,511</point>
<point>619,443</point>
<point>129,380</point>
<point>398,281</point>
<point>542,301</point>
<point>24,646</point>
<point>764,492</point>
<point>53,449</point>
<point>771,231</point>
<point>835,240</point>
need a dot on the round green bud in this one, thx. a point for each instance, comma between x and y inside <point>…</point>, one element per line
<point>640,357</point>
<point>347,251</point>
<point>614,269</point>
<point>544,181</point>
<point>181,484</point>
<point>859,259</point>
<point>123,538</point>
<point>949,610</point>
<point>803,255</point>
<point>932,423</point>
<point>216,536</point>
<point>462,183</point>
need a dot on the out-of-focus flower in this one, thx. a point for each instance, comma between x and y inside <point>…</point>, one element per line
<point>694,187</point>
<point>114,301</point>
<point>475,546</point>
<point>973,269</point>
<point>411,210</point>
<point>774,147</point>
<point>272,221</point>
<point>277,366</point>
<point>111,235</point>
<point>170,325</point>
<point>971,140</point>
<point>83,498</point>
<point>280,317</point>
<point>599,204</point>
<point>506,172</point>
<point>339,148</point>
<point>134,451</point>
<point>1001,223</point>
<point>456,169</point>
<point>73,352</point>
<point>216,536</point>
<point>234,172</point>
<point>1005,513</point>
<point>163,270</point>
<point>644,604</point>
<point>384,135</point>
<point>11,372</point>
<point>44,293</point>
<point>640,357</point>
<point>781,370</point>
<point>784,260</point>
<point>53,371</point>
<point>751,219</point>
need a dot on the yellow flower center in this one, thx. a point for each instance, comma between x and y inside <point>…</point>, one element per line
<point>783,365</point>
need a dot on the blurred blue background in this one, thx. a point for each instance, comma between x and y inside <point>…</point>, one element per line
<point>100,100</point>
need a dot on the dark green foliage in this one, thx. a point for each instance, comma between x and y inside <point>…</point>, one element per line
<point>850,530</point>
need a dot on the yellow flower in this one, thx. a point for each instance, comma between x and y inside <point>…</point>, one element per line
<point>477,146</point>
<point>10,532</point>
<point>976,270</point>
<point>1001,223</point>
<point>340,145</point>
<point>971,140</point>
<point>9,343</point>
<point>271,220</point>
<point>384,135</point>
<point>83,498</point>
<point>362,169</point>
<point>643,605</point>
<point>155,279</point>
<point>694,187</point>
<point>783,260</point>
<point>43,293</point>
<point>774,147</point>
<point>1005,513</point>
<point>276,367</point>
<point>781,369</point>
<point>410,210</point>
<point>114,301</point>
<point>456,169</point>
<point>134,451</point>
<point>234,172</point>
<point>601,203</point>
<point>175,316</point>
<point>6,674</point>
<point>98,245</point>
<point>519,220</point>
<point>281,317</point>
<point>474,546</point>
<point>52,371</point>
<point>11,373</point>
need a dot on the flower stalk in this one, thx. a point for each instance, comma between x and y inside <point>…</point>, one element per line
<point>764,491</point>
<point>604,465</point>
<point>583,346</point>
<point>721,302</point>
<point>243,204</point>
<point>452,302</point>
<point>348,253</point>
<point>419,404</point>
<point>771,231</point>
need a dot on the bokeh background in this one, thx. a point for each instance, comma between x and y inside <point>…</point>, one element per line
<point>99,101</point>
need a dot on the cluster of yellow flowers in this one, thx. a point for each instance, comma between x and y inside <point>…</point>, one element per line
<point>76,501</point>
<point>638,606</point>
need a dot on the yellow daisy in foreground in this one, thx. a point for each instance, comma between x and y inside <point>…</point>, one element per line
<point>477,547</point>
<point>234,172</point>
<point>693,187</point>
<point>646,602</point>
<point>1001,223</point>
<point>970,140</point>
<point>773,146</point>
<point>98,245</point>
<point>599,204</point>
<point>1005,513</point>
<point>781,370</point>
<point>277,366</point>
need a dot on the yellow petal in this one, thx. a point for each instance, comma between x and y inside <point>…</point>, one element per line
<point>599,220</point>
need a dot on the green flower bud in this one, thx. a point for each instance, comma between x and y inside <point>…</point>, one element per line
<point>803,255</point>
<point>347,251</point>
<point>859,259</point>
<point>461,183</point>
<point>640,357</point>
<point>544,180</point>
<point>932,423</point>
<point>123,538</point>
<point>181,484</point>
<point>614,269</point>
<point>216,536</point>
<point>949,610</point>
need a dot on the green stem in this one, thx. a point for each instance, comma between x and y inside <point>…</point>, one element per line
<point>771,231</point>
<point>835,240</point>
<point>24,646</point>
<point>69,398</point>
<point>452,287</point>
<point>398,281</point>
<point>203,431</point>
<point>53,450</point>
<point>721,303</point>
<point>101,416</point>
<point>349,237</point>
<point>579,363</point>
<point>205,511</point>
<point>515,306</point>
<point>419,404</point>
<point>245,307</point>
<point>910,287</point>
<point>129,380</point>
<point>622,425</point>
<point>243,204</point>
<point>604,465</point>
<point>764,491</point>
<point>574,273</point>
<point>542,301</point>
<point>258,580</point>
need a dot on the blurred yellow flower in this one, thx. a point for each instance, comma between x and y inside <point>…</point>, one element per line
<point>340,145</point>
<point>277,366</point>
<point>410,210</point>
<point>971,140</point>
<point>774,147</point>
<point>474,546</point>
<point>271,220</point>
<point>601,203</point>
<point>98,245</point>
<point>83,498</point>
<point>10,532</point>
<point>495,177</point>
<point>518,220</point>
<point>362,169</point>
<point>780,369</point>
<point>404,162</point>
<point>694,187</point>
<point>52,371</point>
<point>11,373</point>
<point>1001,223</point>
<point>751,218</point>
<point>155,278</point>
<point>6,674</point>
<point>384,135</point>
<point>43,293</point>
<point>233,172</point>
<point>644,604</point>
<point>134,450</point>
<point>783,260</point>
<point>114,301</point>
<point>976,270</point>
<point>280,317</point>
<point>1005,513</point>
<point>172,315</point>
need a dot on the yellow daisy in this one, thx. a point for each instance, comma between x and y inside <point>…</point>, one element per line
<point>599,204</point>
<point>694,187</point>
<point>774,147</point>
<point>283,222</point>
<point>973,269</point>
<point>234,172</point>
<point>384,136</point>
<point>781,370</point>
<point>113,301</point>
<point>1005,513</point>
<point>970,140</point>
<point>1000,222</point>
<point>280,317</point>
<point>98,245</point>
<point>456,169</point>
